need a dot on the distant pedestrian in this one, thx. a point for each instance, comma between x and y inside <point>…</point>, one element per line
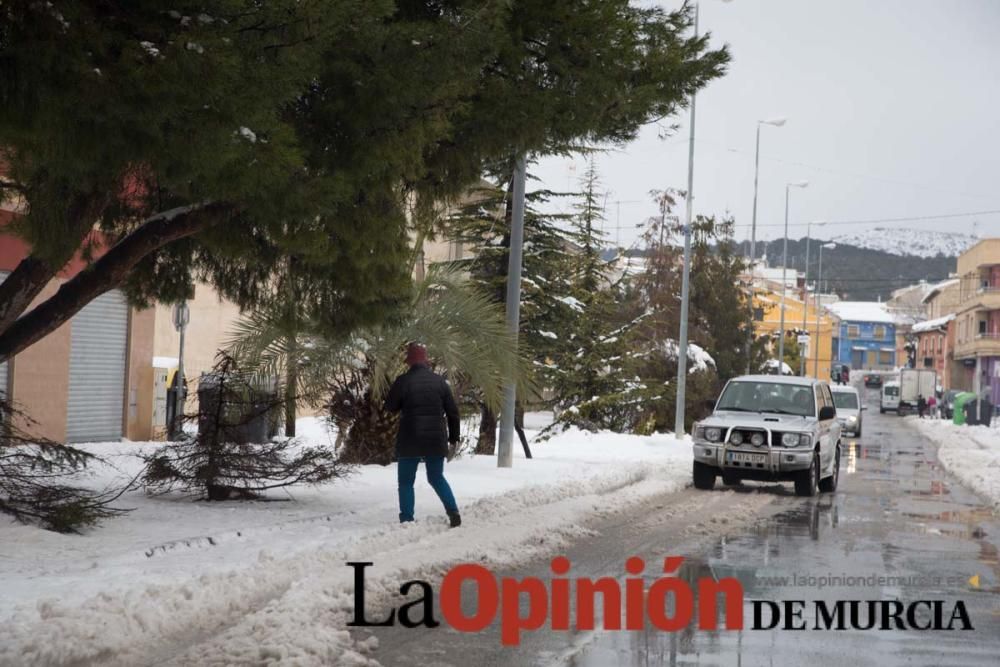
<point>932,407</point>
<point>921,406</point>
<point>425,400</point>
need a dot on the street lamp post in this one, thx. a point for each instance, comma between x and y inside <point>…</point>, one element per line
<point>819,282</point>
<point>682,339</point>
<point>784,271</point>
<point>776,122</point>
<point>805,294</point>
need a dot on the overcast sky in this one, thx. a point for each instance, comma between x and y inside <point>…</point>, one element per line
<point>892,107</point>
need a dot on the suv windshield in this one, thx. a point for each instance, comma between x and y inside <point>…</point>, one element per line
<point>846,400</point>
<point>768,397</point>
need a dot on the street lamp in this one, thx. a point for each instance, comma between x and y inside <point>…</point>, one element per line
<point>682,338</point>
<point>776,122</point>
<point>819,282</point>
<point>784,271</point>
<point>805,291</point>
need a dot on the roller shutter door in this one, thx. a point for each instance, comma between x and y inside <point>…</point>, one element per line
<point>99,338</point>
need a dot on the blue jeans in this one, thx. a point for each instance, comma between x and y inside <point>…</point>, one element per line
<point>407,474</point>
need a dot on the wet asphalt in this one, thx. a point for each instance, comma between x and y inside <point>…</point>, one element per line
<point>896,515</point>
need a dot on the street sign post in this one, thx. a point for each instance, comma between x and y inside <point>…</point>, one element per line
<point>181,316</point>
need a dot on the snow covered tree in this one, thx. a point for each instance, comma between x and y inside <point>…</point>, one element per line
<point>483,226</point>
<point>592,389</point>
<point>721,320</point>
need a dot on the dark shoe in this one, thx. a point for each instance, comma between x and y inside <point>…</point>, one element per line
<point>455,518</point>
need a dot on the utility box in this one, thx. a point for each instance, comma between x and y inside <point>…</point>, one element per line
<point>160,403</point>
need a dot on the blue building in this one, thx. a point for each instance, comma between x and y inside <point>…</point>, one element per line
<point>866,336</point>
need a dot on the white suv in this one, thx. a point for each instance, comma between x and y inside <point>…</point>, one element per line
<point>770,428</point>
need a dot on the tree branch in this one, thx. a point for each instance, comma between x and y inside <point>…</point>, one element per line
<point>32,273</point>
<point>110,271</point>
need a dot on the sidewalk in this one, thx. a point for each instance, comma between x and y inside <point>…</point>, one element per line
<point>174,569</point>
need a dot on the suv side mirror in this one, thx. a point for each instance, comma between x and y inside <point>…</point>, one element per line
<point>827,412</point>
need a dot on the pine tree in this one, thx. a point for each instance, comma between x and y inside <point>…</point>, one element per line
<point>481,226</point>
<point>208,141</point>
<point>593,389</point>
<point>721,319</point>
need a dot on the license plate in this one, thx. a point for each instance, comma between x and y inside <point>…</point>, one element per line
<point>740,457</point>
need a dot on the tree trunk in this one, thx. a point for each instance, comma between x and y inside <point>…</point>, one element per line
<point>291,388</point>
<point>487,443</point>
<point>108,272</point>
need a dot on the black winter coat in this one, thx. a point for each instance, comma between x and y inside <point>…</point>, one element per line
<point>424,398</point>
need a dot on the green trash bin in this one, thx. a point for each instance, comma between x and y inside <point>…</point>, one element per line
<point>959,410</point>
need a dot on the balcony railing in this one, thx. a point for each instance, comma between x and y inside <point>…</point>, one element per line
<point>982,344</point>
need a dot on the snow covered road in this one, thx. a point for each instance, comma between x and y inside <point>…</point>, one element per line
<point>181,582</point>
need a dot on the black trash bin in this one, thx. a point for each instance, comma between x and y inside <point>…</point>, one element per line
<point>245,415</point>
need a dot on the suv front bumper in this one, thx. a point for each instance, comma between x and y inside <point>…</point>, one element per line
<point>778,462</point>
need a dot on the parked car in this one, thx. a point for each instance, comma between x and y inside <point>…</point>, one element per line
<point>770,428</point>
<point>849,407</point>
<point>889,399</point>
<point>948,403</point>
<point>873,380</point>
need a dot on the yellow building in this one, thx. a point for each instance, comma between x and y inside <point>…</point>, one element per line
<point>767,320</point>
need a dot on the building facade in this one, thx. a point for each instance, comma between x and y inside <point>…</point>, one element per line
<point>866,336</point>
<point>767,322</point>
<point>977,322</point>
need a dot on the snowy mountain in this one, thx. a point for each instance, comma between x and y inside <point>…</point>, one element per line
<point>909,242</point>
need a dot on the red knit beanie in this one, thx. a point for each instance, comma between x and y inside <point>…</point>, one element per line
<point>416,354</point>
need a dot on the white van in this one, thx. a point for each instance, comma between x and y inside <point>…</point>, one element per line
<point>890,397</point>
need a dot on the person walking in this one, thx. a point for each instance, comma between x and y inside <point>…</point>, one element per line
<point>424,400</point>
<point>932,404</point>
<point>921,406</point>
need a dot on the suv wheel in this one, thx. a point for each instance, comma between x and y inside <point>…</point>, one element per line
<point>829,485</point>
<point>704,476</point>
<point>807,481</point>
<point>729,479</point>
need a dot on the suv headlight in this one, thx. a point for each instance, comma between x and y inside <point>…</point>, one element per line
<point>852,418</point>
<point>713,434</point>
<point>796,439</point>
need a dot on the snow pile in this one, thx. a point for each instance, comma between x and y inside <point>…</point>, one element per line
<point>698,358</point>
<point>182,582</point>
<point>572,302</point>
<point>771,365</point>
<point>971,453</point>
<point>931,325</point>
<point>910,242</point>
<point>862,311</point>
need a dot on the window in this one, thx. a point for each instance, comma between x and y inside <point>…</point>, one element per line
<point>982,327</point>
<point>845,399</point>
<point>853,331</point>
<point>879,332</point>
<point>928,362</point>
<point>871,358</point>
<point>827,398</point>
<point>776,397</point>
<point>885,357</point>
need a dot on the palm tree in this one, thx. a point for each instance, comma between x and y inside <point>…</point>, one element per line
<point>463,329</point>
